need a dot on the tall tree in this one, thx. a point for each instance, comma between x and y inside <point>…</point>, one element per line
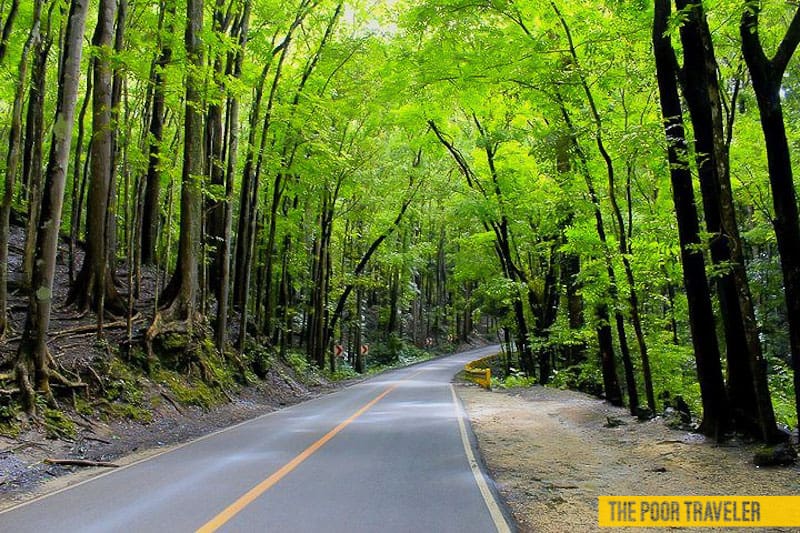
<point>767,77</point>
<point>502,240</point>
<point>12,161</point>
<point>151,212</point>
<point>748,391</point>
<point>251,172</point>
<point>716,416</point>
<point>94,287</point>
<point>633,298</point>
<point>237,60</point>
<point>33,146</point>
<point>33,356</point>
<point>180,298</point>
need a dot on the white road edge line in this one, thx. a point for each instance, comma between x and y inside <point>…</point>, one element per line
<point>491,504</point>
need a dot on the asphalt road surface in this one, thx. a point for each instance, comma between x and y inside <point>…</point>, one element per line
<point>389,454</point>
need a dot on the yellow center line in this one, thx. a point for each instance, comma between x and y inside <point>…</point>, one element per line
<point>251,495</point>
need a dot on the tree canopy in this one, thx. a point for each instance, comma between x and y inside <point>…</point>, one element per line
<point>606,186</point>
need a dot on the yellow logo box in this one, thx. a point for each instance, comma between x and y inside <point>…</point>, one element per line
<point>698,511</point>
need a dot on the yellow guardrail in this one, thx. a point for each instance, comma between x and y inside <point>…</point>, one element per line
<point>479,372</point>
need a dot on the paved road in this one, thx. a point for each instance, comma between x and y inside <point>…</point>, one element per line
<point>385,455</point>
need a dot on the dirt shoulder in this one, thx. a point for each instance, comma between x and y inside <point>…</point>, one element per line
<point>552,456</point>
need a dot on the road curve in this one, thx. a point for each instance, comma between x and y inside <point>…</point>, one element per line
<point>388,454</point>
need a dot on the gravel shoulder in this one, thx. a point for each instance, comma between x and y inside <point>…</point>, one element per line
<point>551,456</point>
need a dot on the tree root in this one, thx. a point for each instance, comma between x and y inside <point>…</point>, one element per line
<point>64,382</point>
<point>97,378</point>
<point>172,402</point>
<point>92,328</point>
<point>170,320</point>
<point>80,462</point>
<point>85,328</point>
<point>59,377</point>
<point>26,390</point>
<point>6,329</point>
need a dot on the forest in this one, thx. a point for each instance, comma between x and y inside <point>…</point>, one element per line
<point>604,186</point>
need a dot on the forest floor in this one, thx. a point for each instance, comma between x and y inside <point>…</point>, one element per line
<point>122,413</point>
<point>25,472</point>
<point>551,455</point>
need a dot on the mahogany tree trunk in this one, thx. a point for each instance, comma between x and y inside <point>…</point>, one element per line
<point>94,287</point>
<point>32,152</point>
<point>224,256</point>
<point>179,300</point>
<point>151,213</point>
<point>748,390</point>
<point>767,76</point>
<point>716,416</point>
<point>12,164</point>
<point>32,355</point>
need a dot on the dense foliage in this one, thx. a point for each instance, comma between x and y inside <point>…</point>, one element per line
<point>317,173</point>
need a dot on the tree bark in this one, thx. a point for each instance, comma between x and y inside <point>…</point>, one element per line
<point>151,213</point>
<point>78,184</point>
<point>94,287</point>
<point>215,148</point>
<point>233,152</point>
<point>767,75</point>
<point>748,390</point>
<point>12,161</point>
<point>179,300</point>
<point>716,416</point>
<point>8,26</point>
<point>32,152</point>
<point>32,355</point>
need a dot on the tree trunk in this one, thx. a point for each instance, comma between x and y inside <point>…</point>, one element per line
<point>360,359</point>
<point>78,176</point>
<point>179,300</point>
<point>767,76</point>
<point>32,355</point>
<point>12,162</point>
<point>570,269</point>
<point>94,287</point>
<point>612,291</point>
<point>748,390</point>
<point>247,204</point>
<point>215,144</point>
<point>8,26</point>
<point>362,264</point>
<point>114,193</point>
<point>151,213</point>
<point>250,187</point>
<point>32,153</point>
<point>716,417</point>
<point>608,363</point>
<point>501,243</point>
<point>633,396</point>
